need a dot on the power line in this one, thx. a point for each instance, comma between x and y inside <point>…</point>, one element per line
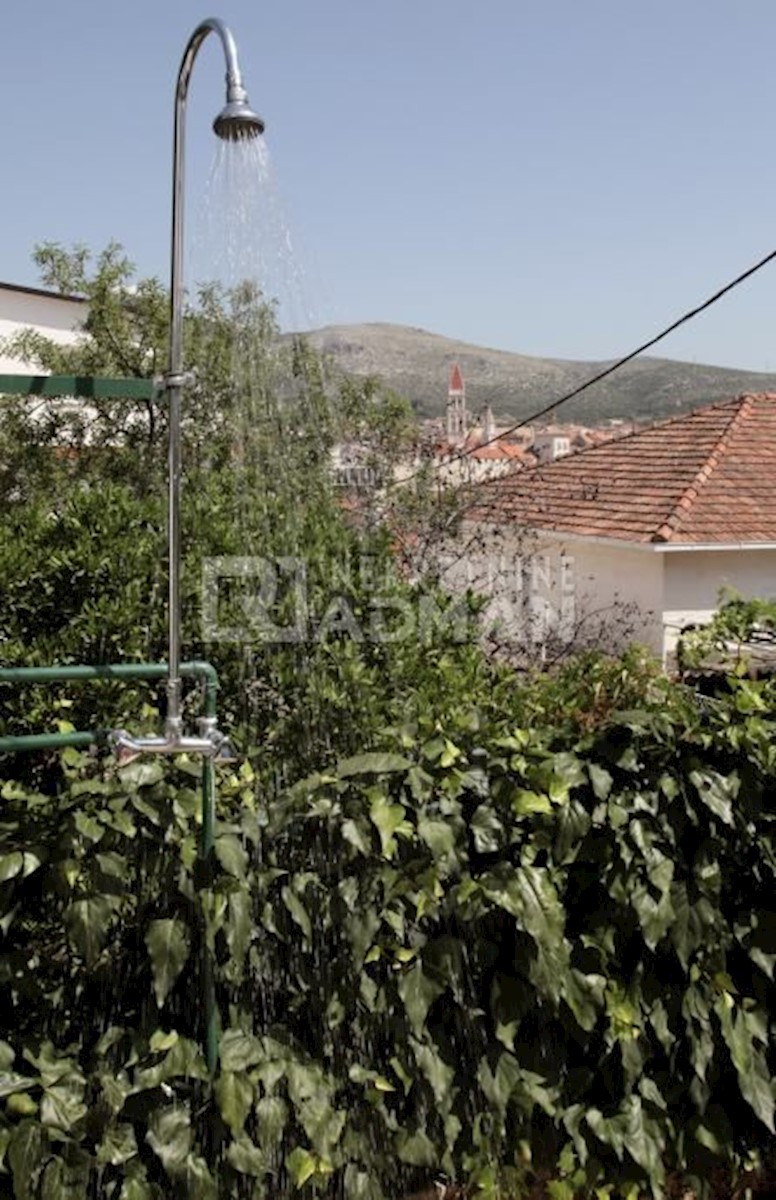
<point>615,366</point>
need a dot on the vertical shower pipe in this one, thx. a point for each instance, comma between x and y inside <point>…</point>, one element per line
<point>235,121</point>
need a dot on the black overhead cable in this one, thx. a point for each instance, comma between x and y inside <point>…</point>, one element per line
<point>615,366</point>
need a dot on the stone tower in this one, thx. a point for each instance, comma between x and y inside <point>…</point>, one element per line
<point>456,406</point>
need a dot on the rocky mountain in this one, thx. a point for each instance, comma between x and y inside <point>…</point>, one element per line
<point>416,364</point>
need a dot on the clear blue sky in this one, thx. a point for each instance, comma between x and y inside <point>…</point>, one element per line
<point>554,177</point>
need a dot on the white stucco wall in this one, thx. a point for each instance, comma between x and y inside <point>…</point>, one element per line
<point>619,591</point>
<point>546,589</point>
<point>693,579</point>
<point>56,317</point>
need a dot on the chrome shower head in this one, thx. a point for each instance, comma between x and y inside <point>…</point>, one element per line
<point>238,122</point>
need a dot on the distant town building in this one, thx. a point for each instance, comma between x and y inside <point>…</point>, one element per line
<point>456,406</point>
<point>551,443</point>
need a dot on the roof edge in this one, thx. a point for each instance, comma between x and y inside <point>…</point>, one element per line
<point>670,526</point>
<point>34,291</point>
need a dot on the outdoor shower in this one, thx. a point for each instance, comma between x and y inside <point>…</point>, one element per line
<point>235,122</point>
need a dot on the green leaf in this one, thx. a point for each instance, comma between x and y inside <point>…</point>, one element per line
<point>232,855</point>
<point>439,1074</point>
<point>118,1145</point>
<point>439,836</point>
<point>88,827</point>
<point>600,779</point>
<point>115,1089</point>
<point>717,791</point>
<point>62,1105</point>
<point>389,819</point>
<point>416,1149</point>
<point>234,1092</point>
<point>351,831</point>
<point>11,865</point>
<point>361,1184</point>
<point>11,1082</point>
<point>363,1075</point>
<point>238,928</point>
<point>113,864</point>
<point>529,895</point>
<point>26,1155</point>
<point>198,1180</point>
<point>167,940</point>
<point>303,1165</point>
<point>163,1040</point>
<point>238,1051</point>
<point>66,1180</point>
<point>499,1084</point>
<point>750,1063</point>
<point>450,754</point>
<point>87,923</point>
<point>122,822</point>
<point>417,993</point>
<point>137,1188</point>
<point>525,803</point>
<point>169,1136</point>
<point>247,1158</point>
<point>142,774</point>
<point>561,1189</point>
<point>373,764</point>
<point>272,1118</point>
<point>312,1098</point>
<point>298,912</point>
<point>487,830</point>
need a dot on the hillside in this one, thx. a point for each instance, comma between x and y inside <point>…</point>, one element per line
<point>416,364</point>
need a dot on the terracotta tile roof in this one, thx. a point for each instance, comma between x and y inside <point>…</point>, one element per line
<point>707,476</point>
<point>471,448</point>
<point>497,450</point>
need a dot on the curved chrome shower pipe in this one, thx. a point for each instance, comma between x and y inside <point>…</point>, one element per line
<point>235,121</point>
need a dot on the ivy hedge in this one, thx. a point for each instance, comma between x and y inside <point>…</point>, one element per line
<point>515,931</point>
<point>530,942</point>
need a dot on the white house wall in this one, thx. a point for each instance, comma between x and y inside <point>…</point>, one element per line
<point>56,317</point>
<point>619,591</point>
<point>693,580</point>
<point>546,590</point>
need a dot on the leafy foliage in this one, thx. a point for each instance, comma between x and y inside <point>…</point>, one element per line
<point>456,920</point>
<point>477,943</point>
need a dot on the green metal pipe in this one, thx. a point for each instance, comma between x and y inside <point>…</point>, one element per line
<point>52,741</point>
<point>77,671</point>
<point>120,671</point>
<point>82,387</point>
<point>206,849</point>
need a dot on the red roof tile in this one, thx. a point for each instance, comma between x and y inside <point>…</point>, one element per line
<point>496,450</point>
<point>456,379</point>
<point>708,476</point>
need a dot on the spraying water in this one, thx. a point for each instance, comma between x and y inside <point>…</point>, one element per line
<point>243,232</point>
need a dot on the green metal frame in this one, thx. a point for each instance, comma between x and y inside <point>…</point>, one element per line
<point>79,387</point>
<point>204,671</point>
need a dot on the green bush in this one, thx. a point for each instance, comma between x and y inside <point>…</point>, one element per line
<point>508,929</point>
<point>482,947</point>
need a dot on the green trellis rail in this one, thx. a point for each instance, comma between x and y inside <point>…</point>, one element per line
<point>79,387</point>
